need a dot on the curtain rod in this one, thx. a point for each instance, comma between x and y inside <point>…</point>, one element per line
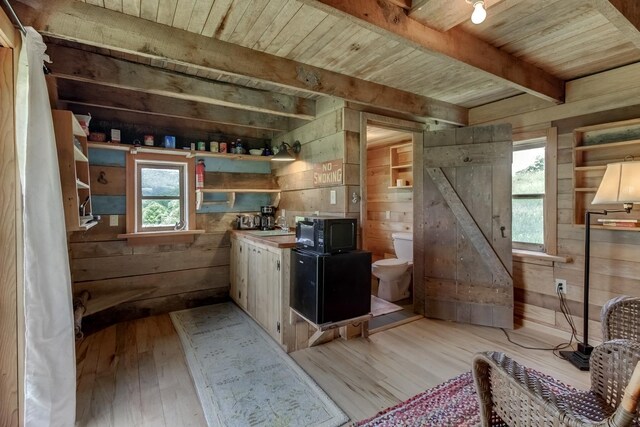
<point>16,20</point>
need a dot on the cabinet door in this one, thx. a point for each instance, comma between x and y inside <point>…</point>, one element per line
<point>266,286</point>
<point>233,268</point>
<point>273,295</point>
<point>240,257</point>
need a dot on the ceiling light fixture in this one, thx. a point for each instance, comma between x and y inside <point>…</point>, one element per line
<point>479,13</point>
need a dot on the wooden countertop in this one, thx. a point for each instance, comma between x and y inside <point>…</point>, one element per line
<point>286,241</point>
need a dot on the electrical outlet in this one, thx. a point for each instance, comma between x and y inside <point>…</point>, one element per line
<point>113,220</point>
<point>561,286</point>
<point>387,215</point>
<point>332,197</point>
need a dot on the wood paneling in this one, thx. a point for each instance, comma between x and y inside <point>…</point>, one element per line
<point>9,299</point>
<point>384,203</point>
<point>324,139</point>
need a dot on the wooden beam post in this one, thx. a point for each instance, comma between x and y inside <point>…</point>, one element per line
<point>387,19</point>
<point>105,28</point>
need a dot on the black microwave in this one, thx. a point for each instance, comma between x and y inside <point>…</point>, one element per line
<point>327,235</point>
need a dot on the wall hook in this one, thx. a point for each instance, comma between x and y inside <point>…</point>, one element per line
<point>102,178</point>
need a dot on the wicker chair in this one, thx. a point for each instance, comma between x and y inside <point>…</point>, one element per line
<point>620,318</point>
<point>513,395</point>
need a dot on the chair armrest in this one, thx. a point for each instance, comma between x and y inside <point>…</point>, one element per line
<point>612,365</point>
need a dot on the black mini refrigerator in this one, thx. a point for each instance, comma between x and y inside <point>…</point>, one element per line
<point>328,288</point>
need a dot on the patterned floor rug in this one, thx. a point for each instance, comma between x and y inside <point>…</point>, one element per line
<point>453,403</point>
<point>243,378</point>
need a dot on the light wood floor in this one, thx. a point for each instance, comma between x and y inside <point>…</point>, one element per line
<point>135,374</point>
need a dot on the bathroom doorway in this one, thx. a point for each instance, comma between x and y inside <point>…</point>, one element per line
<point>387,216</point>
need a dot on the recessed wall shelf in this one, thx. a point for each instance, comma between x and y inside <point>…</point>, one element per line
<point>594,148</point>
<point>401,166</point>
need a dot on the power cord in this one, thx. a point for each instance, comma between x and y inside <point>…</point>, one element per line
<point>564,309</point>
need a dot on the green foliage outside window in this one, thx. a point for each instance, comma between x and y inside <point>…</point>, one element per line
<point>528,213</point>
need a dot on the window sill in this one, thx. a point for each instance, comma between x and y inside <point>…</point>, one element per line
<point>160,237</point>
<point>523,255</point>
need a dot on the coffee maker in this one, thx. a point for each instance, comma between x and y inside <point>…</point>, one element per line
<point>268,217</point>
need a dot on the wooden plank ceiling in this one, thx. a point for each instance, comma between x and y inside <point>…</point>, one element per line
<point>427,50</point>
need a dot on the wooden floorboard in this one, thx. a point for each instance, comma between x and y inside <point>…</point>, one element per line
<point>135,373</point>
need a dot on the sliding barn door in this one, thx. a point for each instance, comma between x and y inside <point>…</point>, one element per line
<point>466,225</point>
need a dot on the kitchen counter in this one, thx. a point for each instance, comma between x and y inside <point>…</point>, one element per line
<point>274,238</point>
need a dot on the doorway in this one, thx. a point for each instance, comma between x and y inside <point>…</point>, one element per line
<point>387,216</point>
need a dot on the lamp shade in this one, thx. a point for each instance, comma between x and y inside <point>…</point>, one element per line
<point>283,154</point>
<point>620,184</point>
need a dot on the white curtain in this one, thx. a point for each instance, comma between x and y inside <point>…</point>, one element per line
<point>50,369</point>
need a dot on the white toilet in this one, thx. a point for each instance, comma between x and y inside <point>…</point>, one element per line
<point>395,273</point>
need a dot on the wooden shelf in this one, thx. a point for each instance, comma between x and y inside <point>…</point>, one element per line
<point>81,185</point>
<point>608,227</point>
<point>231,195</point>
<point>401,165</point>
<point>594,147</point>
<point>608,145</point>
<point>78,155</point>
<point>74,169</point>
<point>174,152</point>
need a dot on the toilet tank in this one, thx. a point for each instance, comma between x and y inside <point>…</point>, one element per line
<point>403,244</point>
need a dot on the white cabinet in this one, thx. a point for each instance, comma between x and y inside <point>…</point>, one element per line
<point>258,283</point>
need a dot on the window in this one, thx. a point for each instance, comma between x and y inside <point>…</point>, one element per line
<point>534,191</point>
<point>160,203</point>
<point>528,194</point>
<point>160,193</point>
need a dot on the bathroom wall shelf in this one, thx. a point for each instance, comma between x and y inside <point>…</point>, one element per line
<point>401,165</point>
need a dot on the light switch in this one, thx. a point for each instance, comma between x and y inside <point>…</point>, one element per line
<point>113,220</point>
<point>332,197</point>
<point>387,214</point>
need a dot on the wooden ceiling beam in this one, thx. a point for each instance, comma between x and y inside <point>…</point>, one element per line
<point>389,20</point>
<point>70,64</point>
<point>105,28</point>
<point>624,15</point>
<point>129,100</point>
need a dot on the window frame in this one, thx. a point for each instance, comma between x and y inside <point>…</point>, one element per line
<point>181,168</point>
<point>549,139</point>
<point>134,190</point>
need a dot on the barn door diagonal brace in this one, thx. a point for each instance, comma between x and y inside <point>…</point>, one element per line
<point>470,227</point>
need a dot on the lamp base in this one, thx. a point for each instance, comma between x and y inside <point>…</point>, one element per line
<point>580,357</point>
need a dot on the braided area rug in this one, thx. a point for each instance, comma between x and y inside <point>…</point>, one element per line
<point>453,403</point>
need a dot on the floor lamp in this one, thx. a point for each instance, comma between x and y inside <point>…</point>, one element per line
<point>620,184</point>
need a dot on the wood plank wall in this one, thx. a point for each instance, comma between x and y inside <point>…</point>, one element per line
<point>615,255</point>
<point>334,135</point>
<point>381,199</point>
